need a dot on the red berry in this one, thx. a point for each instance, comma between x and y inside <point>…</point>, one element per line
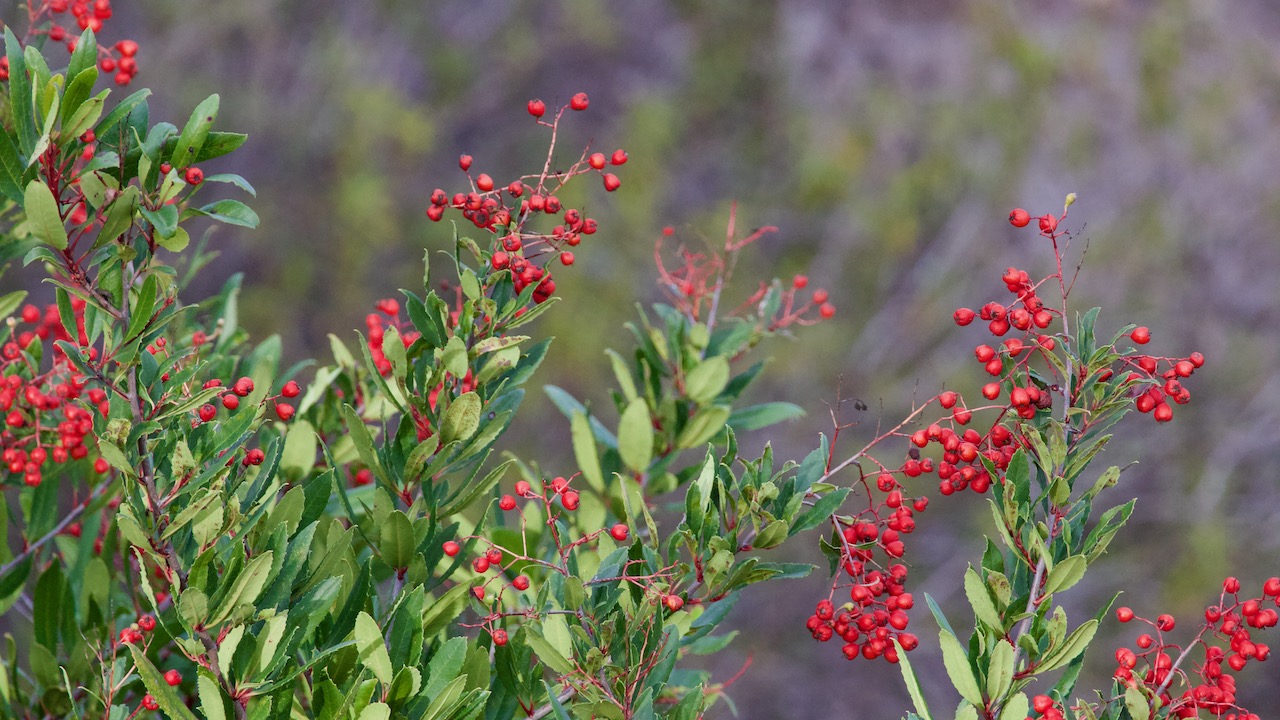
<point>147,623</point>
<point>480,564</point>
<point>149,702</point>
<point>290,389</point>
<point>537,108</point>
<point>819,296</point>
<point>464,162</point>
<point>566,258</point>
<point>579,101</point>
<point>101,466</point>
<point>963,316</point>
<point>451,548</point>
<point>364,476</point>
<point>673,602</point>
<point>484,183</point>
<point>611,182</point>
<point>230,402</point>
<point>1271,587</point>
<point>1165,623</point>
<point>1041,703</point>
<point>1048,223</point>
<point>193,175</point>
<point>570,500</point>
<point>521,583</point>
<point>173,677</point>
<point>522,488</point>
<point>597,161</point>
<point>1124,614</point>
<point>619,157</point>
<point>499,637</point>
<point>243,387</point>
<point>827,311</point>
<point>1141,335</point>
<point>619,532</point>
<point>284,411</point>
<point>507,503</point>
<point>1019,218</point>
<point>127,48</point>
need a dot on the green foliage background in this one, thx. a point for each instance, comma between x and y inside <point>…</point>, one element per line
<point>887,141</point>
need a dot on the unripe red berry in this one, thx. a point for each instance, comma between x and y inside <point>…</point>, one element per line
<point>537,108</point>
<point>1019,217</point>
<point>193,175</point>
<point>579,101</point>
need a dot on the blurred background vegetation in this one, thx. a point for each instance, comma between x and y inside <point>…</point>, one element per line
<point>888,141</point>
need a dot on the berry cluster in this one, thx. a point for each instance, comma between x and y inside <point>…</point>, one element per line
<point>50,18</point>
<point>506,211</point>
<point>1156,665</point>
<point>48,414</point>
<point>1161,385</point>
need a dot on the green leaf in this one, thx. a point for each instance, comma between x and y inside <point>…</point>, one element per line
<point>78,90</point>
<point>11,169</point>
<point>584,450</point>
<point>913,685</point>
<point>1016,708</point>
<point>165,694</point>
<point>958,669</point>
<point>623,374</point>
<point>372,648</point>
<point>706,424</point>
<point>119,216</point>
<point>704,383</point>
<point>398,546</point>
<point>764,415</point>
<point>1075,644</point>
<point>1000,672</point>
<point>194,134</point>
<point>10,302</point>
<point>980,600</point>
<point>1065,574</point>
<point>821,510</point>
<point>546,652</point>
<point>1136,703</point>
<point>164,220</point>
<point>20,93</point>
<point>85,115</point>
<point>454,356</point>
<point>141,313</point>
<point>248,586</point>
<point>43,219</point>
<point>232,179</point>
<point>635,436</point>
<point>218,144</point>
<point>231,212</point>
<point>462,419</point>
<point>211,696</point>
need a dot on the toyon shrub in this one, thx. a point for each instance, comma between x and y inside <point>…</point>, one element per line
<point>193,530</point>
